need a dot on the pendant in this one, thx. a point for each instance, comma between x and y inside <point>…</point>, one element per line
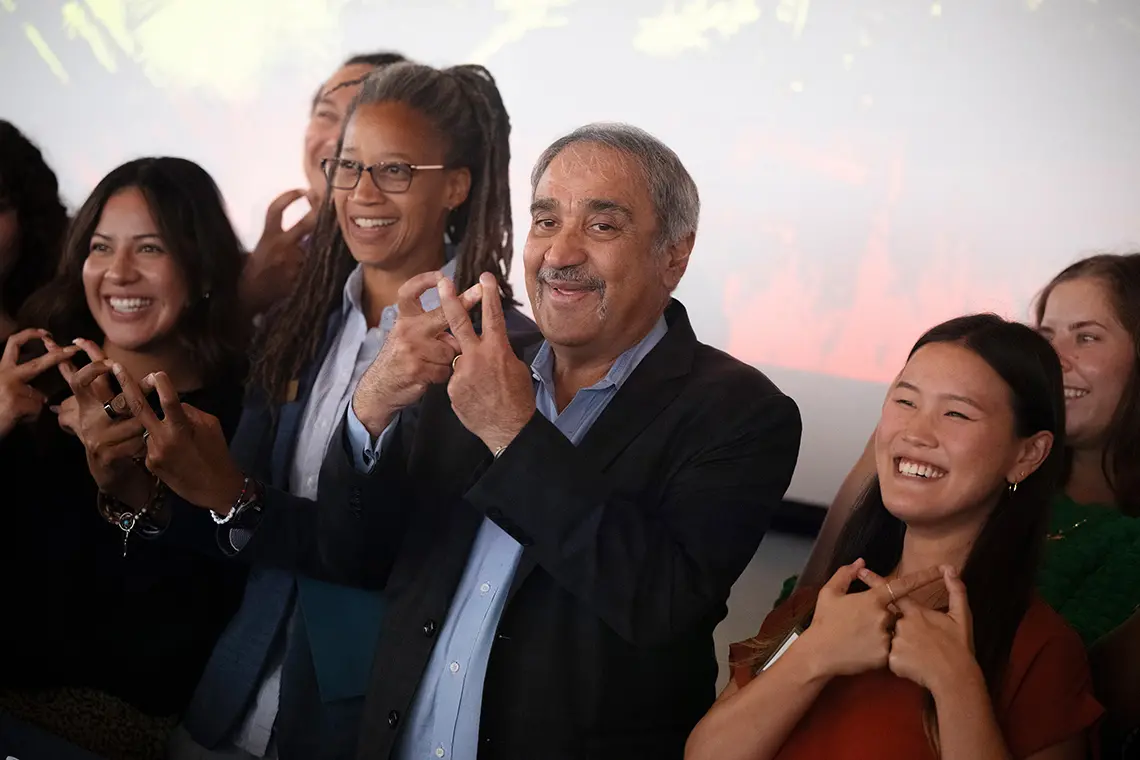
<point>126,523</point>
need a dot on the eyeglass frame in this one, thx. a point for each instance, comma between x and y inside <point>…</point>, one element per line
<point>361,169</point>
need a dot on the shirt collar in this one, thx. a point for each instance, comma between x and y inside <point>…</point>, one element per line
<point>354,287</point>
<point>542,367</point>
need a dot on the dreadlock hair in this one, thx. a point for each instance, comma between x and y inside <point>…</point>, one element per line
<point>28,185</point>
<point>464,105</point>
<point>376,60</point>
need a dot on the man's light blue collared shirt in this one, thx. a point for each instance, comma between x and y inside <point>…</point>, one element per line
<point>444,718</point>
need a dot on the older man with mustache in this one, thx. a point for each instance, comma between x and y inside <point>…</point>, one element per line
<point>557,522</point>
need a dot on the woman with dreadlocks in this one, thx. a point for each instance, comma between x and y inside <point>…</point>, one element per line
<point>418,183</point>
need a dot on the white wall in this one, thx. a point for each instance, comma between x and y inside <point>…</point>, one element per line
<point>868,167</point>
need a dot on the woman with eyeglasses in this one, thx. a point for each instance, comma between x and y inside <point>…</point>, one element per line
<point>418,183</point>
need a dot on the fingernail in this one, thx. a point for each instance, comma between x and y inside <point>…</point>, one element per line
<point>952,572</point>
<point>77,342</point>
<point>863,572</point>
<point>117,368</point>
<point>150,378</point>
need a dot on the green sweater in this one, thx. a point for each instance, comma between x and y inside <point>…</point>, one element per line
<point>1091,569</point>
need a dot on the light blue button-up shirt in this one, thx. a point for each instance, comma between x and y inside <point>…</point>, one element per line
<point>444,718</point>
<point>351,353</point>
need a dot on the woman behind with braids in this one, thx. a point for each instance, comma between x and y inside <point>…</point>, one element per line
<point>419,182</point>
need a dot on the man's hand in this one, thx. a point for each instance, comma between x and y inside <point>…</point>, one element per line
<point>491,391</point>
<point>273,265</point>
<point>417,353</point>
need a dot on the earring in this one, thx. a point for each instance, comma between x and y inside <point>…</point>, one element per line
<point>206,296</point>
<point>1013,487</point>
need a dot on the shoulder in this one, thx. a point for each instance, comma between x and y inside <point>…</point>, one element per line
<point>1047,695</point>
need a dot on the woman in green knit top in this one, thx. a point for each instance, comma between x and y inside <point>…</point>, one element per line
<point>1090,312</point>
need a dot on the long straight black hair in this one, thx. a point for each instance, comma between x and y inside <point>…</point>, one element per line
<point>1001,570</point>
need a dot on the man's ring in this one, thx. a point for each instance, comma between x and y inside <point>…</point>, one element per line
<point>453,361</point>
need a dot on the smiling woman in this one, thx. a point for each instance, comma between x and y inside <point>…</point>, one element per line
<point>138,592</point>
<point>887,659</point>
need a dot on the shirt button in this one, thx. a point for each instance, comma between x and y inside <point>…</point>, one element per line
<point>484,588</point>
<point>393,719</point>
<point>454,667</point>
<point>439,752</point>
<point>429,628</point>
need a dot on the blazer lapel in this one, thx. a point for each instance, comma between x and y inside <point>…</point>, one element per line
<point>645,394</point>
<point>289,415</point>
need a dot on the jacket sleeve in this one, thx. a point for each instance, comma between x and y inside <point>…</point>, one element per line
<point>651,571</point>
<point>351,533</point>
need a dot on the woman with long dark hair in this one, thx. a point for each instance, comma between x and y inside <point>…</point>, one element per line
<point>418,183</point>
<point>1090,572</point>
<point>122,597</point>
<point>949,653</point>
<point>32,223</point>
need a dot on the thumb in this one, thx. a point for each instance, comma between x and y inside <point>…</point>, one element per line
<point>959,602</point>
<point>843,578</point>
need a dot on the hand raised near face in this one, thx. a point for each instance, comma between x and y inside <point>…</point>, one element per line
<point>491,389</point>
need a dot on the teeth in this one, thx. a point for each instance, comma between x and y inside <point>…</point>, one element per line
<point>129,305</point>
<point>1075,393</point>
<point>920,469</point>
<point>368,223</point>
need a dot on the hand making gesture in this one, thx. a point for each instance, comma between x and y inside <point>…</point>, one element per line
<point>491,390</point>
<point>931,647</point>
<point>19,401</point>
<point>852,632</point>
<point>111,437</point>
<point>417,353</point>
<point>187,448</point>
<point>275,262</point>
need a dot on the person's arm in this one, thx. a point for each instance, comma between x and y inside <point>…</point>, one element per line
<point>753,722</point>
<point>967,727</point>
<point>351,533</point>
<point>651,572</point>
<point>1115,662</point>
<point>815,571</point>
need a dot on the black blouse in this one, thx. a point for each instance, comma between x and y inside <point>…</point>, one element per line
<point>140,626</point>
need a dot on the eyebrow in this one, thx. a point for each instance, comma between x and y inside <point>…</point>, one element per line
<point>1079,325</point>
<point>143,236</point>
<point>594,205</point>
<point>948,396</point>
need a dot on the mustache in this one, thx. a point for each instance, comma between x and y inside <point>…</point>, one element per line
<point>576,274</point>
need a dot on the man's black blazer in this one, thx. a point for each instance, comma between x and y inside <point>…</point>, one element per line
<point>632,541</point>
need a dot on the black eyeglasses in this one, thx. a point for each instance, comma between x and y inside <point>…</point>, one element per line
<point>396,177</point>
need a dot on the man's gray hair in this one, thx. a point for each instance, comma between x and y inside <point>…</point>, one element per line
<point>674,194</point>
